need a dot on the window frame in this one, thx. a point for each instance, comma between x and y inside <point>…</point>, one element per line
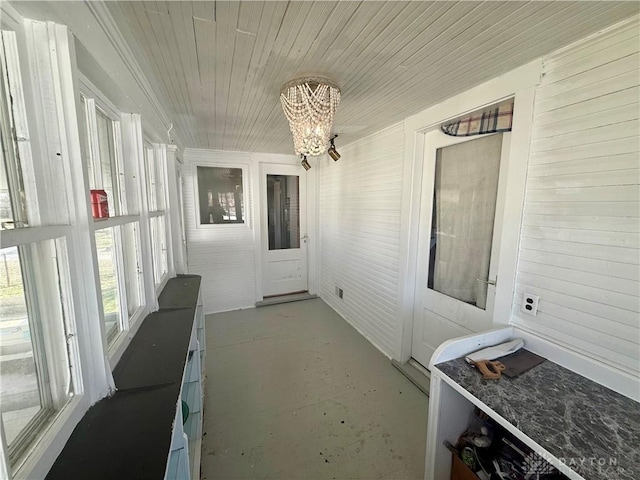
<point>247,224</point>
<point>26,238</point>
<point>129,193</point>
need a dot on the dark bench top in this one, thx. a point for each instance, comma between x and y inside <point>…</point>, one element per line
<point>128,435</point>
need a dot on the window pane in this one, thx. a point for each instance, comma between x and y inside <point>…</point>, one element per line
<point>36,380</point>
<point>132,267</point>
<point>107,263</point>
<point>160,183</point>
<point>464,206</point>
<point>13,201</point>
<point>150,166</point>
<point>107,166</point>
<point>159,248</point>
<point>20,388</point>
<point>283,205</point>
<point>85,143</point>
<point>220,195</point>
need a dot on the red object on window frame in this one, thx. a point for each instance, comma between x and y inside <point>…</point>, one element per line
<point>99,204</point>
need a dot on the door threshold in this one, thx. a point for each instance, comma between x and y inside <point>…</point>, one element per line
<point>416,373</point>
<point>290,297</point>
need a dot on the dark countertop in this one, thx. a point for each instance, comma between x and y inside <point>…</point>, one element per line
<point>128,435</point>
<point>581,422</point>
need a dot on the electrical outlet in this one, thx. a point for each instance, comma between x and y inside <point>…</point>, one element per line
<point>530,304</point>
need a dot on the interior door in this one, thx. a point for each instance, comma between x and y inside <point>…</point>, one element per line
<point>284,227</point>
<point>459,242</point>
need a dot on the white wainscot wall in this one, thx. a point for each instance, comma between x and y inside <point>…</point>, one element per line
<point>225,255</point>
<point>579,241</point>
<point>360,204</point>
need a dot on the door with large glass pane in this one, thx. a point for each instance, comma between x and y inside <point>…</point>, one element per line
<point>284,240</point>
<point>460,227</point>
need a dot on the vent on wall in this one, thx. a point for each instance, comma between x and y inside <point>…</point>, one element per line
<point>339,292</point>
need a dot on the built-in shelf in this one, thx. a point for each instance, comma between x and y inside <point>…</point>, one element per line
<point>551,408</point>
<point>138,432</point>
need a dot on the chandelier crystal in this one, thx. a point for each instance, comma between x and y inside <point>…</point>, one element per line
<point>309,103</point>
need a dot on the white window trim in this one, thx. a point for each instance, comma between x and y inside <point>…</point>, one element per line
<point>245,191</point>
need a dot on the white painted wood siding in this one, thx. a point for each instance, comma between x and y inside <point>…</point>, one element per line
<point>579,242</point>
<point>360,201</point>
<point>223,254</point>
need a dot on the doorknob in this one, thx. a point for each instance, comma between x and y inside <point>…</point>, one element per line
<point>488,282</point>
<point>304,239</point>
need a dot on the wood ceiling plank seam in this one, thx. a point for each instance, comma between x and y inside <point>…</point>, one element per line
<point>200,10</point>
<point>169,23</point>
<point>141,34</point>
<point>318,18</point>
<point>476,61</point>
<point>185,49</point>
<point>373,33</point>
<point>235,13</point>
<point>224,51</point>
<point>433,34</point>
<point>495,28</point>
<point>145,32</point>
<point>188,22</point>
<point>464,31</point>
<point>314,55</point>
<point>241,70</point>
<point>212,81</point>
<point>203,32</point>
<point>162,28</point>
<point>271,79</point>
<point>470,53</point>
<point>238,53</point>
<point>394,45</point>
<point>251,90</point>
<point>293,15</point>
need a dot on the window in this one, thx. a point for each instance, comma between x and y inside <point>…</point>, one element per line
<point>117,238</point>
<point>37,345</point>
<point>155,161</point>
<point>220,195</point>
<point>464,207</point>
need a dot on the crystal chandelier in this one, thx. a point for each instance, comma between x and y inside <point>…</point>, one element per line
<point>309,103</point>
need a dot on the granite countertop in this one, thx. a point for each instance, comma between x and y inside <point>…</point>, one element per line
<point>592,429</point>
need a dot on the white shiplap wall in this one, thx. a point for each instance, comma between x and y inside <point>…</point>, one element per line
<point>360,201</point>
<point>579,247</point>
<point>224,255</point>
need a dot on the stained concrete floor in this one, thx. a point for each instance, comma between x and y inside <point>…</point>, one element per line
<point>294,392</point>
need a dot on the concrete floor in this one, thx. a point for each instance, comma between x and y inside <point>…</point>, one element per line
<point>294,392</point>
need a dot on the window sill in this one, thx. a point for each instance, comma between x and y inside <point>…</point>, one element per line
<point>101,223</point>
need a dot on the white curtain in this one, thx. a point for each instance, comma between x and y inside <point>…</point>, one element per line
<point>466,185</point>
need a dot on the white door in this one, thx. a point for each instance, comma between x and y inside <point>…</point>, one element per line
<point>284,227</point>
<point>460,228</point>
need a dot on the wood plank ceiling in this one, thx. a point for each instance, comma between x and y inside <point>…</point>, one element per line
<point>220,65</point>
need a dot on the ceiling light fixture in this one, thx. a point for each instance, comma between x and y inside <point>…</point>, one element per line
<point>333,153</point>
<point>305,163</point>
<point>309,103</point>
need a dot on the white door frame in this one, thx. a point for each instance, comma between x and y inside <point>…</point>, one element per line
<point>312,178</point>
<point>519,83</point>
